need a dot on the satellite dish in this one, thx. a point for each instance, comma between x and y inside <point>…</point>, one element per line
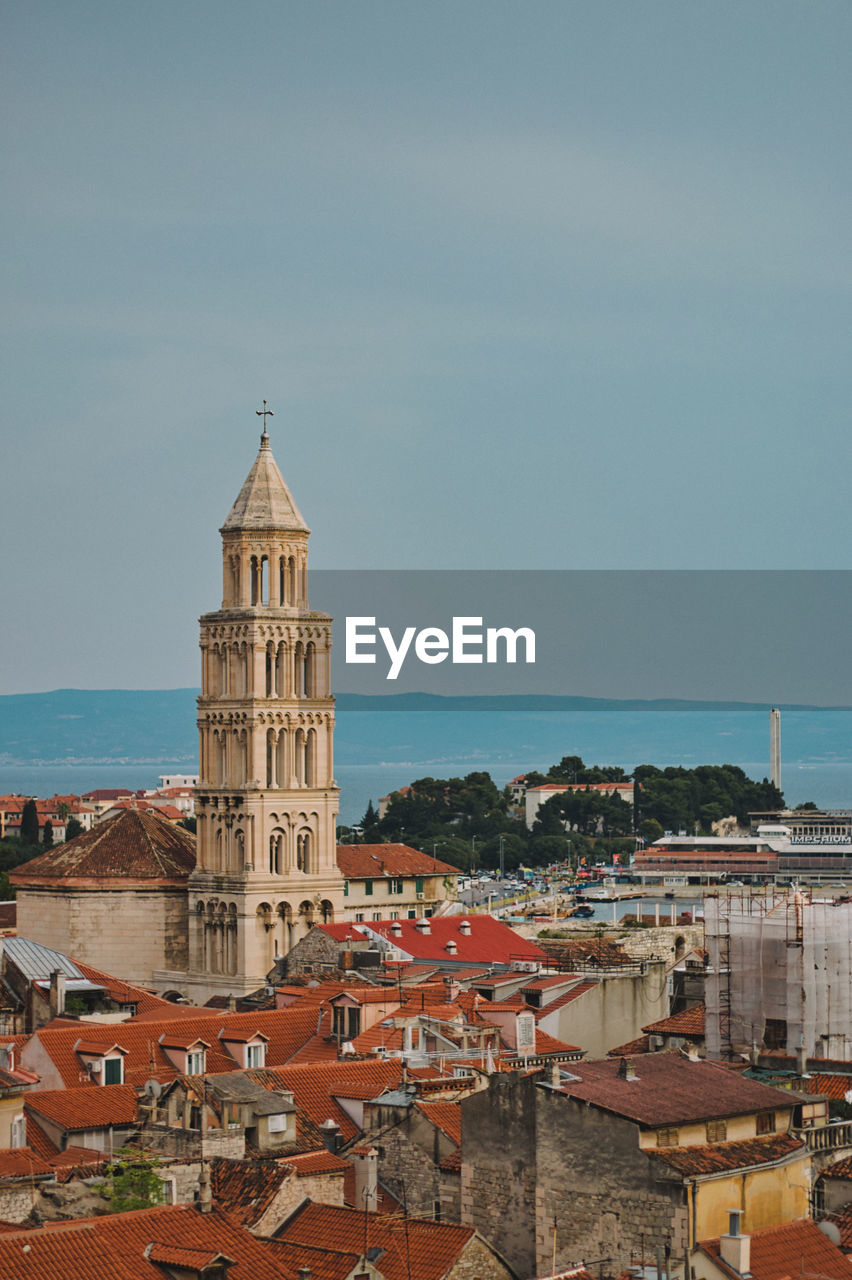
<point>153,1088</point>
<point>831,1230</point>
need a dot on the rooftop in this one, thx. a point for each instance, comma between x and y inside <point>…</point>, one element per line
<point>136,845</point>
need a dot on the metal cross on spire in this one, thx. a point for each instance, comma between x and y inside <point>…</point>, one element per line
<point>264,413</point>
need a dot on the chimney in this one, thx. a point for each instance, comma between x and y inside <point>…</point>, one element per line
<point>57,993</point>
<point>205,1193</point>
<point>801,1058</point>
<point>464,928</point>
<point>555,1075</point>
<point>626,1070</point>
<point>452,946</point>
<point>423,925</point>
<point>452,989</point>
<point>305,1273</point>
<point>330,1133</point>
<point>692,1052</point>
<point>232,1003</point>
<point>365,1160</point>
<point>735,1249</point>
<point>396,929</point>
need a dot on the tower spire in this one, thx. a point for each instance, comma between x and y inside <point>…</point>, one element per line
<point>264,413</point>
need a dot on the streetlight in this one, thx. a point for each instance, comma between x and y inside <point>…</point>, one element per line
<point>473,840</point>
<point>502,870</point>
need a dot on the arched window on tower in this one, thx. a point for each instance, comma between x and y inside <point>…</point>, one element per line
<point>310,670</point>
<point>255,580</point>
<point>276,852</point>
<point>311,758</point>
<point>264,580</point>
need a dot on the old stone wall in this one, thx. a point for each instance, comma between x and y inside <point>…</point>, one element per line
<point>534,1160</point>
<point>477,1262</point>
<point>17,1199</point>
<point>498,1180</point>
<point>668,942</point>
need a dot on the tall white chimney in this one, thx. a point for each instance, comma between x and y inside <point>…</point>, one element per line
<point>775,747</point>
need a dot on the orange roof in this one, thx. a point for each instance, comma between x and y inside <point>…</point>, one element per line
<point>126,992</point>
<point>137,845</point>
<point>118,1246</point>
<point>22,1162</point>
<point>287,1029</point>
<point>689,1023</point>
<point>372,861</point>
<point>314,1086</point>
<point>446,1116</point>
<point>794,1249</point>
<point>85,1108</point>
<point>719,1157</point>
<point>322,1264</point>
<point>314,1162</point>
<point>417,1247</point>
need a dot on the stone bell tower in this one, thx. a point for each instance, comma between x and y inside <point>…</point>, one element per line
<point>266,801</point>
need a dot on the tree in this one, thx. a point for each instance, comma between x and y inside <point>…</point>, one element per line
<point>47,834</point>
<point>73,828</point>
<point>650,830</point>
<point>189,824</point>
<point>29,823</point>
<point>370,817</point>
<point>132,1183</point>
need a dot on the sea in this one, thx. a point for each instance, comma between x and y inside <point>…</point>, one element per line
<point>378,751</point>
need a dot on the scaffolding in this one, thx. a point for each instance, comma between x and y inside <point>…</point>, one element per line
<point>779,975</point>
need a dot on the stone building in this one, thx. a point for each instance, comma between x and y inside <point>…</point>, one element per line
<point>587,1162</point>
<point>115,897</point>
<point>267,802</point>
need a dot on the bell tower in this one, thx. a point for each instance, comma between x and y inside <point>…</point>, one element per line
<point>266,801</point>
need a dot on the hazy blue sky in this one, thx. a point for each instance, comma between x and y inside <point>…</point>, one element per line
<point>553,285</point>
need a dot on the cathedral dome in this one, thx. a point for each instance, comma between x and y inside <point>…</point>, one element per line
<point>136,845</point>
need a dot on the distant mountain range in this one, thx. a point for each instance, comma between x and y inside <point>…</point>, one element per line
<point>150,726</point>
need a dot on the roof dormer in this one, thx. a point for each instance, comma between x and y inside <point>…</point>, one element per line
<point>247,1048</point>
<point>101,1064</point>
<point>187,1054</point>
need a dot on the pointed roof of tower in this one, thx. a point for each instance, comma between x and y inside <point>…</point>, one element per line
<point>265,502</point>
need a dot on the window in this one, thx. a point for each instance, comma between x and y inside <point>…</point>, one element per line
<point>277,1124</point>
<point>766,1122</point>
<point>255,1055</point>
<point>194,1062</point>
<point>368,888</point>
<point>418,885</point>
<point>717,1130</point>
<point>232,1115</point>
<point>394,915</point>
<point>359,916</point>
<point>113,1073</point>
<point>377,915</point>
<point>346,888</point>
<point>395,886</point>
<point>412,915</point>
<point>667,1137</point>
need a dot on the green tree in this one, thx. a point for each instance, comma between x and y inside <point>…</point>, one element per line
<point>29,823</point>
<point>132,1183</point>
<point>650,830</point>
<point>47,834</point>
<point>189,824</point>
<point>73,828</point>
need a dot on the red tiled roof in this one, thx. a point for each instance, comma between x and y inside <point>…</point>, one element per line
<point>371,861</point>
<point>485,940</point>
<point>843,1169</point>
<point>85,1108</point>
<point>314,1162</point>
<point>794,1249</point>
<point>829,1086</point>
<point>671,1090</point>
<point>446,1116</point>
<point>842,1219</point>
<point>134,846</point>
<point>323,1264</point>
<point>287,1029</point>
<point>22,1162</point>
<point>641,1045</point>
<point>114,1247</point>
<point>127,993</point>
<point>418,1248</point>
<point>718,1157</point>
<point>600,952</point>
<point>688,1023</point>
<point>246,1188</point>
<point>313,1086</point>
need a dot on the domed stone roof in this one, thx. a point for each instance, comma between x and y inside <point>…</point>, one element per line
<point>136,845</point>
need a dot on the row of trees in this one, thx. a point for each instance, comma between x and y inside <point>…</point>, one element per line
<point>466,821</point>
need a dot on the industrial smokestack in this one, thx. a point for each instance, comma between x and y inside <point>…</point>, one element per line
<point>775,747</point>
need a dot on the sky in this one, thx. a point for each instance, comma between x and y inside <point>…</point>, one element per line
<point>528,286</point>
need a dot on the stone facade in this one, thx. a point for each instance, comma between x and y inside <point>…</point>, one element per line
<point>411,1150</point>
<point>266,802</point>
<point>532,1158</point>
<point>131,932</point>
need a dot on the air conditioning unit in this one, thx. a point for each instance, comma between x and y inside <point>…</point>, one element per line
<point>420,897</point>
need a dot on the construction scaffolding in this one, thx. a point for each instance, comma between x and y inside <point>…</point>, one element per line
<point>779,975</point>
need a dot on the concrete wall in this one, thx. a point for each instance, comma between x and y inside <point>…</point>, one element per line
<point>612,1013</point>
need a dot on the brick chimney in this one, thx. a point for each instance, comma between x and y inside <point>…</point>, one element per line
<point>734,1248</point>
<point>626,1070</point>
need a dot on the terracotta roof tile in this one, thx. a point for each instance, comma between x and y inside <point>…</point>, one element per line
<point>314,1162</point>
<point>842,1219</point>
<point>313,1086</point>
<point>134,846</point>
<point>323,1264</point>
<point>688,1023</point>
<point>246,1188</point>
<point>372,861</point>
<point>717,1157</point>
<point>114,1247</point>
<point>446,1116</point>
<point>794,1249</point>
<point>479,939</point>
<point>671,1089</point>
<point>85,1108</point>
<point>828,1086</point>
<point>418,1248</point>
<point>22,1162</point>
